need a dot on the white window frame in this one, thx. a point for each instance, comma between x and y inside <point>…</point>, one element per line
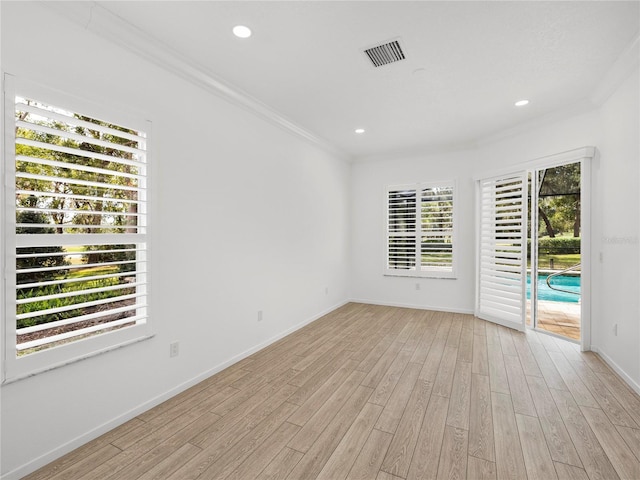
<point>16,367</point>
<point>418,271</point>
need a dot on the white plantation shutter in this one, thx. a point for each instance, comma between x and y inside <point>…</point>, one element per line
<point>420,230</point>
<point>436,218</point>
<point>402,227</point>
<point>502,257</point>
<point>77,263</point>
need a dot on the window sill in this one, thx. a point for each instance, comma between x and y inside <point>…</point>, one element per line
<point>436,276</point>
<point>21,375</point>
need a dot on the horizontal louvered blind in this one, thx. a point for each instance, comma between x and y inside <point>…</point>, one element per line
<point>502,259</point>
<point>436,219</point>
<point>80,225</point>
<point>401,229</point>
<point>420,230</point>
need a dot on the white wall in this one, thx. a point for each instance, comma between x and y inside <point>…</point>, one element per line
<point>612,128</point>
<point>369,180</point>
<point>247,217</point>
<point>619,204</point>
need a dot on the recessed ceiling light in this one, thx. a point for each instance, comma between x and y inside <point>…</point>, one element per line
<point>359,130</point>
<point>241,31</point>
<point>521,103</point>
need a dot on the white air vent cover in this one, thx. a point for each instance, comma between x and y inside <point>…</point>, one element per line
<point>386,53</point>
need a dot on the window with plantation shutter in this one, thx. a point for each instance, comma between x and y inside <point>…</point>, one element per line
<point>402,227</point>
<point>502,257</point>
<point>420,230</point>
<point>77,260</point>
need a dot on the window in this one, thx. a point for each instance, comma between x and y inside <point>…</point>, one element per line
<point>76,231</point>
<point>420,230</point>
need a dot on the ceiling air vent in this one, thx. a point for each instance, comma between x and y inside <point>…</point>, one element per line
<point>386,53</point>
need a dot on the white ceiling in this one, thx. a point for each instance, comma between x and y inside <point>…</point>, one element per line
<point>466,62</point>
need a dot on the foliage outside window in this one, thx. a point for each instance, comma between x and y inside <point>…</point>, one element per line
<point>77,261</point>
<point>420,230</point>
<point>559,217</point>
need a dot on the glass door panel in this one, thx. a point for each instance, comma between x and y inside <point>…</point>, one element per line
<point>554,265</point>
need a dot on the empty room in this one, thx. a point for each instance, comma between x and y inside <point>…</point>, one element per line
<point>375,240</point>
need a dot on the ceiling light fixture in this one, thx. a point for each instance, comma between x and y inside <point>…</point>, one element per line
<point>241,31</point>
<point>521,103</point>
<point>359,130</point>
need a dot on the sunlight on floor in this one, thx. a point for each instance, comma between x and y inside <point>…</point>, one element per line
<point>558,317</point>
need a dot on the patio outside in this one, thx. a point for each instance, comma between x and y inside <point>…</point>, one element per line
<point>557,317</point>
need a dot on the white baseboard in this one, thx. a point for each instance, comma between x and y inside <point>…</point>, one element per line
<point>417,307</point>
<point>77,442</point>
<point>616,368</point>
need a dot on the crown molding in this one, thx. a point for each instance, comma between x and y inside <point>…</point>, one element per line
<point>97,19</point>
<point>575,109</point>
<point>416,152</point>
<point>626,63</point>
<point>578,108</point>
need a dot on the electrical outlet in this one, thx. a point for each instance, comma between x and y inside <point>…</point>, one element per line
<point>417,286</point>
<point>326,290</point>
<point>259,315</point>
<point>615,329</point>
<point>174,349</point>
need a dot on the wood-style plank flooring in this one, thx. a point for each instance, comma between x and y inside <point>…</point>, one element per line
<point>381,393</point>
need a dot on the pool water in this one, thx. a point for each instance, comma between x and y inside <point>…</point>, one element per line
<point>566,282</point>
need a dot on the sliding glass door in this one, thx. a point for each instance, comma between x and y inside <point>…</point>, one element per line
<point>554,281</point>
<point>533,258</point>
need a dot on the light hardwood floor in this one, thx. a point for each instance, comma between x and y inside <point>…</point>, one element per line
<point>381,393</point>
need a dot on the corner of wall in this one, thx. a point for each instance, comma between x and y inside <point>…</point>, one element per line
<point>616,368</point>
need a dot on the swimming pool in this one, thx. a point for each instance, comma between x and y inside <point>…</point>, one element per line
<point>566,282</point>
